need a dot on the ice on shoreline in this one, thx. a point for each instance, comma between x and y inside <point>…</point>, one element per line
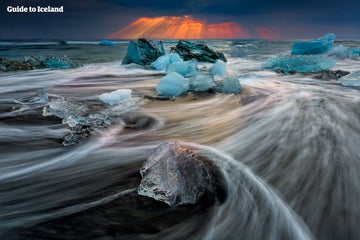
<point>116,97</point>
<point>316,46</point>
<point>173,84</point>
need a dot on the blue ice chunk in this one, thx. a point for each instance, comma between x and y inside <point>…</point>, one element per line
<point>107,43</point>
<point>174,174</point>
<point>219,68</point>
<point>300,63</point>
<point>354,52</point>
<point>185,68</point>
<point>164,61</point>
<point>173,84</point>
<point>116,97</point>
<point>60,62</point>
<point>316,46</point>
<point>352,79</point>
<point>343,52</point>
<point>202,83</point>
<point>229,85</point>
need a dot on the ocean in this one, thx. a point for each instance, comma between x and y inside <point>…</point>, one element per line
<point>286,149</point>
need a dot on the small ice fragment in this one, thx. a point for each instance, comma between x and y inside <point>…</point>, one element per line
<point>229,85</point>
<point>219,68</point>
<point>173,84</point>
<point>116,97</point>
<point>40,97</point>
<point>107,43</point>
<point>352,79</point>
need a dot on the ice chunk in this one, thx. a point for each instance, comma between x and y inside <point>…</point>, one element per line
<point>198,51</point>
<point>343,52</point>
<point>38,61</point>
<point>174,175</point>
<point>107,43</point>
<point>316,46</point>
<point>353,79</point>
<point>185,68</point>
<point>201,83</point>
<point>229,85</point>
<point>40,97</point>
<point>142,52</point>
<point>219,68</point>
<point>116,97</point>
<point>164,61</point>
<point>173,84</point>
<point>301,63</point>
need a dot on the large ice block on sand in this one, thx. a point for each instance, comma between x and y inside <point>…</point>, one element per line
<point>173,84</point>
<point>164,61</point>
<point>352,79</point>
<point>185,68</point>
<point>107,43</point>
<point>142,52</point>
<point>300,63</point>
<point>116,97</point>
<point>316,46</point>
<point>219,68</point>
<point>202,83</point>
<point>229,85</point>
<point>174,175</point>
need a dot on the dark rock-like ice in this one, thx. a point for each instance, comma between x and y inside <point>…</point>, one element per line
<point>142,52</point>
<point>173,174</point>
<point>317,46</point>
<point>173,84</point>
<point>12,65</point>
<point>300,63</point>
<point>331,74</point>
<point>107,43</point>
<point>199,51</point>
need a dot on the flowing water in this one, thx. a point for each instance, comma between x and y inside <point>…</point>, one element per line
<point>286,150</point>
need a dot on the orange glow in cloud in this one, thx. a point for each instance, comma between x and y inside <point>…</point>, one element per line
<point>266,33</point>
<point>175,27</point>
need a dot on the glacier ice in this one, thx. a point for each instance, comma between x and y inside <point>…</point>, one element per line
<point>353,79</point>
<point>116,97</point>
<point>202,83</point>
<point>201,52</point>
<point>219,68</point>
<point>164,61</point>
<point>316,46</point>
<point>142,52</point>
<point>342,52</point>
<point>185,68</point>
<point>300,63</point>
<point>173,84</point>
<point>107,43</point>
<point>229,84</point>
<point>63,62</point>
<point>173,174</point>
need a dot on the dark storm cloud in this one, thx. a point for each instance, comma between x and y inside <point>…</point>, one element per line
<point>98,18</point>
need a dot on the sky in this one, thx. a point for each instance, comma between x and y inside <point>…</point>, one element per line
<point>249,19</point>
